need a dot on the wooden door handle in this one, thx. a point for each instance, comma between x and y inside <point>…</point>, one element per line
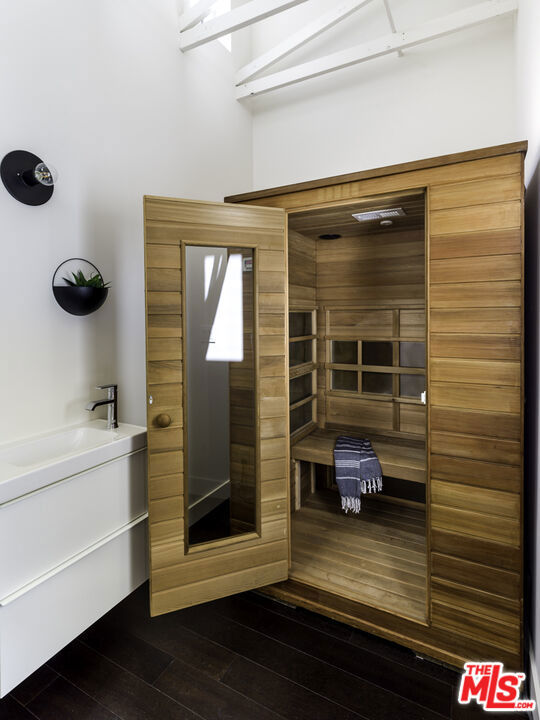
<point>163,420</point>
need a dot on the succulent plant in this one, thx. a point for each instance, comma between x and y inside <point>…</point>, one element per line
<point>79,280</point>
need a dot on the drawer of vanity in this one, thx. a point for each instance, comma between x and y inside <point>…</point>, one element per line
<point>43,529</point>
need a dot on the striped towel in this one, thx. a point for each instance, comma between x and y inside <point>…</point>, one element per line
<point>358,471</point>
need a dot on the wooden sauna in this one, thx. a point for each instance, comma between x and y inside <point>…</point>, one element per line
<point>386,305</point>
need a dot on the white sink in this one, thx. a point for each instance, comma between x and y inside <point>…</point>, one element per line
<point>33,463</point>
<point>47,449</point>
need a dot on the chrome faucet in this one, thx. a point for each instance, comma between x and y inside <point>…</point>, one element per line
<point>111,402</point>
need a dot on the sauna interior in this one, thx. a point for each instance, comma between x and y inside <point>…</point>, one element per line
<point>357,363</point>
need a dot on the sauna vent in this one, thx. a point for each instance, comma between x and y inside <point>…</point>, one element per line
<point>379,214</point>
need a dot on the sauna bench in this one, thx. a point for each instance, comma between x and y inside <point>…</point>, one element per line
<point>401,459</point>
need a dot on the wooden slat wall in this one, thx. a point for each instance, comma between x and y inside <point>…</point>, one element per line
<point>180,578</point>
<point>302,271</point>
<point>476,402</point>
<point>475,293</point>
<point>302,259</point>
<point>378,272</point>
<point>379,269</point>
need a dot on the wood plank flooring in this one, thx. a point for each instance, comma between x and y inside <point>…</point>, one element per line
<point>241,658</point>
<point>377,557</point>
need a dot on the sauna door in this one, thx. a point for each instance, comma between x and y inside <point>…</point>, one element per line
<point>217,398</point>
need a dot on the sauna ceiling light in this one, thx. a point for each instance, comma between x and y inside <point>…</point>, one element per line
<point>379,214</point>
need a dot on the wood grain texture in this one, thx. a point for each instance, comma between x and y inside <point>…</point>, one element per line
<point>191,212</point>
<point>302,271</point>
<point>486,162</point>
<point>476,397</point>
<point>178,577</point>
<point>473,244</point>
<point>492,321</point>
<point>372,268</point>
<point>475,390</point>
<point>473,472</point>
<point>476,393</point>
<point>477,575</point>
<point>329,552</point>
<point>476,524</point>
<point>397,458</point>
<point>476,294</point>
<point>302,285</point>
<point>355,412</point>
<point>476,625</point>
<point>476,549</point>
<point>478,601</point>
<point>483,372</point>
<point>466,497</point>
<point>475,218</point>
<point>477,192</point>
<point>490,347</point>
<point>341,220</point>
<point>486,269</point>
<point>356,323</point>
<point>505,426</point>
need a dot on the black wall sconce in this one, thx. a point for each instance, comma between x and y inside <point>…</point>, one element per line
<point>27,178</point>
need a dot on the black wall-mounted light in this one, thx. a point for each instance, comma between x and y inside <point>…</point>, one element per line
<point>27,178</point>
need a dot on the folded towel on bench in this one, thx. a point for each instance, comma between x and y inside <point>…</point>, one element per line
<point>358,471</point>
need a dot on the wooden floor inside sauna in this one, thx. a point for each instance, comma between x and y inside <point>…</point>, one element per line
<point>377,557</point>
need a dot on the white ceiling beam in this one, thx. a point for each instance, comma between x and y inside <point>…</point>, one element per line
<point>475,15</point>
<point>342,10</point>
<point>196,14</point>
<point>240,17</point>
<point>391,21</point>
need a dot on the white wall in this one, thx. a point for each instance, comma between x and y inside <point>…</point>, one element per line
<point>528,85</point>
<point>451,95</point>
<point>102,92</point>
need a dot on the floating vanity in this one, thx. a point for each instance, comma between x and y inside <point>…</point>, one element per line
<point>73,517</point>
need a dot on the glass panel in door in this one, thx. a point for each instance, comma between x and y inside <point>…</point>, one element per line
<point>221,437</point>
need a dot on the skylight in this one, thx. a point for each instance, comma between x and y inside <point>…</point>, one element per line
<point>219,8</point>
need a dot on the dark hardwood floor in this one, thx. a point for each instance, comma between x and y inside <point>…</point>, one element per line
<point>241,658</point>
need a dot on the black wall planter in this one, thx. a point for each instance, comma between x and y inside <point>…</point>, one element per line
<point>79,300</point>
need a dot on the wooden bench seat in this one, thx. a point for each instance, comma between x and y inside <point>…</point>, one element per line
<point>398,458</point>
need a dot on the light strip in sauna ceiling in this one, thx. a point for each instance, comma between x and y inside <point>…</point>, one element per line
<point>379,214</point>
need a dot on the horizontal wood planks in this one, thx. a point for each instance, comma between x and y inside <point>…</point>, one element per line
<point>182,575</point>
<point>377,557</point>
<point>377,269</point>
<point>475,393</point>
<point>370,286</point>
<point>302,271</point>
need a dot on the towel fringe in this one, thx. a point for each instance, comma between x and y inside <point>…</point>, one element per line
<point>351,504</point>
<point>371,485</point>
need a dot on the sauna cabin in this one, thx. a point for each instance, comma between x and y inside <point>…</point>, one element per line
<point>386,305</point>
